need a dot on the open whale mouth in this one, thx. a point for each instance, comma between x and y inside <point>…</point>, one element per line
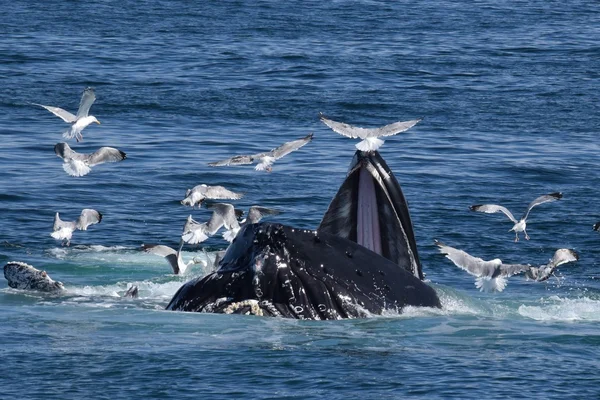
<point>370,209</point>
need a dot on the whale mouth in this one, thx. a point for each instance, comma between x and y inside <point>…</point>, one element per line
<point>371,210</point>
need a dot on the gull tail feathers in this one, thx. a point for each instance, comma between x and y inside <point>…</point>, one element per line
<point>61,234</point>
<point>76,167</point>
<point>485,284</point>
<point>369,144</point>
<point>194,237</point>
<point>69,134</point>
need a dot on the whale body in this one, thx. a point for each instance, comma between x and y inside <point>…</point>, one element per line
<point>26,277</point>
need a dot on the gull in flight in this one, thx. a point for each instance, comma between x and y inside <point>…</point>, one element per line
<point>543,272</point>
<point>520,225</point>
<point>490,275</point>
<point>173,257</point>
<point>370,136</point>
<point>81,120</point>
<point>223,215</point>
<point>198,194</point>
<point>265,160</point>
<point>76,164</point>
<point>63,230</point>
<point>255,214</point>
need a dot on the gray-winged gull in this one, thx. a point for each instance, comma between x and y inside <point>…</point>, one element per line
<point>520,225</point>
<point>223,215</point>
<point>81,120</point>
<point>76,164</point>
<point>370,136</point>
<point>543,272</point>
<point>172,256</point>
<point>490,275</point>
<point>199,193</point>
<point>63,230</point>
<point>265,160</point>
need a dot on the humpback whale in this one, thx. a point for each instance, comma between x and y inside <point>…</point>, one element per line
<point>362,259</point>
<point>24,276</point>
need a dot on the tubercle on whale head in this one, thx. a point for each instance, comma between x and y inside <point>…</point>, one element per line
<point>371,210</point>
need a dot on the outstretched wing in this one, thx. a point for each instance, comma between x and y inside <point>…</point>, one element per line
<point>288,147</point>
<point>256,213</point>
<point>88,217</point>
<point>223,215</point>
<point>507,270</point>
<point>563,256</point>
<point>493,208</point>
<point>59,112</point>
<point>363,133</point>
<point>473,265</point>
<point>235,160</point>
<point>219,192</point>
<point>105,154</point>
<point>164,251</point>
<point>541,200</point>
<point>87,99</point>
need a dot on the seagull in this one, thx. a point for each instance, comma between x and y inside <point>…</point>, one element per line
<point>63,230</point>
<point>81,120</point>
<point>491,275</point>
<point>223,215</point>
<point>597,226</point>
<point>265,160</point>
<point>255,214</point>
<point>173,257</point>
<point>198,194</point>
<point>521,224</point>
<point>543,272</point>
<point>370,136</point>
<point>76,164</point>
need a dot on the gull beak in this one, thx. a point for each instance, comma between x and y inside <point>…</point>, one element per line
<point>98,122</point>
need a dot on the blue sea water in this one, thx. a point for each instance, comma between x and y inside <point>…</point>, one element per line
<point>509,92</point>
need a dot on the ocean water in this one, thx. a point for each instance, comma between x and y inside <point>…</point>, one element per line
<point>509,92</point>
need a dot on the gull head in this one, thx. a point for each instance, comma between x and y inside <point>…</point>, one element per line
<point>199,261</point>
<point>94,119</point>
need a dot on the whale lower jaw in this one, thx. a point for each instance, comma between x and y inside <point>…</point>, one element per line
<point>370,209</point>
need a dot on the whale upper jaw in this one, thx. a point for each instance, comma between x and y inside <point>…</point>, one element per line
<point>370,209</point>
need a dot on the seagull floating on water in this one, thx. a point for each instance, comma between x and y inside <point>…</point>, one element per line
<point>520,225</point>
<point>491,275</point>
<point>81,120</point>
<point>265,160</point>
<point>199,193</point>
<point>223,215</point>
<point>370,136</point>
<point>172,256</point>
<point>597,226</point>
<point>543,272</point>
<point>76,164</point>
<point>63,230</point>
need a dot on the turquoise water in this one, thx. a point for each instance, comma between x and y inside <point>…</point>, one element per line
<point>509,92</point>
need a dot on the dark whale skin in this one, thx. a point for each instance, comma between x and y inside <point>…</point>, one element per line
<point>277,270</point>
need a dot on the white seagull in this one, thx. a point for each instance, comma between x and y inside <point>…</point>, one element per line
<point>543,272</point>
<point>265,160</point>
<point>223,215</point>
<point>255,214</point>
<point>63,230</point>
<point>173,257</point>
<point>520,225</point>
<point>76,164</point>
<point>199,193</point>
<point>491,275</point>
<point>370,136</point>
<point>81,120</point>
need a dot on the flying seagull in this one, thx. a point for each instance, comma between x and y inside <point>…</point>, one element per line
<point>76,164</point>
<point>543,272</point>
<point>81,120</point>
<point>223,215</point>
<point>521,224</point>
<point>173,257</point>
<point>255,214</point>
<point>198,194</point>
<point>491,275</point>
<point>63,230</point>
<point>265,160</point>
<point>370,136</point>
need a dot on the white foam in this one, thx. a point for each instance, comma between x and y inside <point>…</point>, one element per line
<point>557,308</point>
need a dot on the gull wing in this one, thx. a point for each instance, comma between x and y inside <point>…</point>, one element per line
<point>219,192</point>
<point>563,256</point>
<point>87,99</point>
<point>164,251</point>
<point>288,147</point>
<point>223,215</point>
<point>493,208</point>
<point>473,265</point>
<point>88,217</point>
<point>507,270</point>
<point>59,112</point>
<point>541,200</point>
<point>105,154</point>
<point>256,213</point>
<point>60,224</point>
<point>194,232</point>
<point>236,160</point>
<point>363,133</point>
